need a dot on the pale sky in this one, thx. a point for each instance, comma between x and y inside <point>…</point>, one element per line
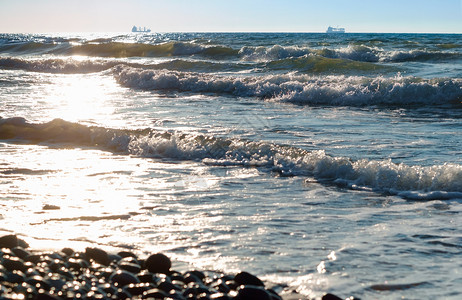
<point>42,16</point>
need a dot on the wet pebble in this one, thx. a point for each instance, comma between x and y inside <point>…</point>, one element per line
<point>95,274</point>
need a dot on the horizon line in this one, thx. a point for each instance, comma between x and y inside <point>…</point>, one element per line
<point>154,32</point>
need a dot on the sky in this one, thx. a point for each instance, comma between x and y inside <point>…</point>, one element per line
<point>414,16</point>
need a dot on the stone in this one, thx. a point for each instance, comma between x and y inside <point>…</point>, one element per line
<point>244,278</point>
<point>158,263</point>
<point>20,252</point>
<point>329,296</point>
<point>130,267</point>
<point>155,294</point>
<point>98,255</point>
<point>252,293</point>
<point>14,264</point>
<point>124,254</point>
<point>67,251</point>
<point>122,278</point>
<point>9,241</point>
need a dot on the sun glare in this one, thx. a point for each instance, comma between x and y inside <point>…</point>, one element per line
<point>81,98</point>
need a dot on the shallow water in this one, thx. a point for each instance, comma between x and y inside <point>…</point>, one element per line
<point>330,163</point>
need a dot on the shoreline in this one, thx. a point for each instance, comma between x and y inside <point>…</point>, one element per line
<point>95,274</point>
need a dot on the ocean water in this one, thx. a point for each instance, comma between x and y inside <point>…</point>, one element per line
<point>321,163</point>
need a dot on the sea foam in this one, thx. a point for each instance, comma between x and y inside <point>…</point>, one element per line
<point>414,182</point>
<point>301,89</point>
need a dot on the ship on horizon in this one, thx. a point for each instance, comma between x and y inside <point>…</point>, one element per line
<point>140,29</point>
<point>331,29</point>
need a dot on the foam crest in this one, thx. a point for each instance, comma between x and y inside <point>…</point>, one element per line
<point>302,89</point>
<point>56,65</point>
<point>118,49</point>
<point>374,54</point>
<point>73,66</point>
<point>414,182</point>
<point>275,52</point>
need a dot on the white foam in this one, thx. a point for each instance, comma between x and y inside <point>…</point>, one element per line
<point>413,182</point>
<point>303,89</point>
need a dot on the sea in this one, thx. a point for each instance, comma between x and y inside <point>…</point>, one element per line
<point>322,163</point>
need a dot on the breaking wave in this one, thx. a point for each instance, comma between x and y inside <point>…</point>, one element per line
<point>119,49</point>
<point>359,53</point>
<point>415,182</point>
<point>74,66</point>
<point>301,89</point>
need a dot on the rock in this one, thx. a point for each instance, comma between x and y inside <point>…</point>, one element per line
<point>14,264</point>
<point>20,252</point>
<point>67,251</point>
<point>145,276</point>
<point>122,278</point>
<point>98,255</point>
<point>245,278</point>
<point>158,263</point>
<point>220,296</point>
<point>124,254</point>
<point>252,293</point>
<point>9,241</point>
<point>329,296</point>
<point>137,289</point>
<point>130,267</point>
<point>155,294</point>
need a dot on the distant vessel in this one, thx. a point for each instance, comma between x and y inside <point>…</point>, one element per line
<point>331,29</point>
<point>140,29</point>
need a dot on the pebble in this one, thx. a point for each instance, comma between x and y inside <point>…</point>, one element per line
<point>95,274</point>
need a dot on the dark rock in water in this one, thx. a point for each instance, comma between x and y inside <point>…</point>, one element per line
<point>8,241</point>
<point>77,264</point>
<point>13,264</point>
<point>98,255</point>
<point>167,286</point>
<point>198,274</point>
<point>20,252</point>
<point>155,294</point>
<point>220,296</point>
<point>145,276</point>
<point>37,282</point>
<point>122,278</point>
<point>245,278</point>
<point>252,293</point>
<point>15,277</point>
<point>130,267</point>
<point>189,277</point>
<point>138,289</point>
<point>67,251</point>
<point>330,297</point>
<point>33,258</point>
<point>93,274</point>
<point>158,263</point>
<point>221,286</point>
<point>124,254</point>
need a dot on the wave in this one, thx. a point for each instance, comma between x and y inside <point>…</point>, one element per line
<point>74,66</point>
<point>415,182</point>
<point>53,65</point>
<point>301,89</point>
<point>119,49</point>
<point>319,64</point>
<point>359,53</point>
<point>109,48</point>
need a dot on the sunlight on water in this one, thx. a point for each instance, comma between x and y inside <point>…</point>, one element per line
<point>81,98</point>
